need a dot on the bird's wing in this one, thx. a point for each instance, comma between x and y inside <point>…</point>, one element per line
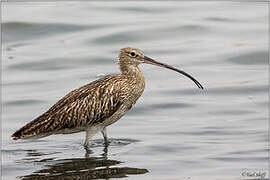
<point>89,104</point>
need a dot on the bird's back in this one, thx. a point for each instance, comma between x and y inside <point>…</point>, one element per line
<point>88,105</point>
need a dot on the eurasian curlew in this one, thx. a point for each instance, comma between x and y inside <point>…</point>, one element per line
<point>95,106</point>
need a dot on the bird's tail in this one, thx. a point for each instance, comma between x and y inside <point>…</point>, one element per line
<point>19,134</point>
<point>34,129</point>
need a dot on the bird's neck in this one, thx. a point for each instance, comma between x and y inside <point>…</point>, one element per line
<point>136,82</point>
<point>133,73</point>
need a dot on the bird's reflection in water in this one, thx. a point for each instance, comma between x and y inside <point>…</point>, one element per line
<point>84,168</point>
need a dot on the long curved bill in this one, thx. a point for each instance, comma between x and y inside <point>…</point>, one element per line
<point>148,60</point>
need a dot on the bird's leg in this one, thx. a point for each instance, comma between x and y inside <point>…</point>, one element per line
<point>104,133</point>
<point>88,151</point>
<point>88,135</point>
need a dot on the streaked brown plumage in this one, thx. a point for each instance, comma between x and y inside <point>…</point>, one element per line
<point>95,106</point>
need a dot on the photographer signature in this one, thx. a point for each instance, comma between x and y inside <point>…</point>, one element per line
<point>253,174</point>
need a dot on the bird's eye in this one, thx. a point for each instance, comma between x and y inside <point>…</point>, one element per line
<point>132,53</point>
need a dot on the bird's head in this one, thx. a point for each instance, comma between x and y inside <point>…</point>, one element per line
<point>132,57</point>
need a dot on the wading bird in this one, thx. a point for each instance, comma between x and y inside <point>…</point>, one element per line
<point>95,106</point>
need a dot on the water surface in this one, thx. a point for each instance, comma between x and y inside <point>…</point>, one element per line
<point>175,131</point>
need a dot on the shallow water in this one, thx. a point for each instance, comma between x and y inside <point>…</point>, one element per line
<point>175,131</point>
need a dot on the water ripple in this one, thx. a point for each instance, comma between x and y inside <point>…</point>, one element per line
<point>224,91</point>
<point>23,102</point>
<point>253,58</point>
<point>55,64</point>
<point>23,30</point>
